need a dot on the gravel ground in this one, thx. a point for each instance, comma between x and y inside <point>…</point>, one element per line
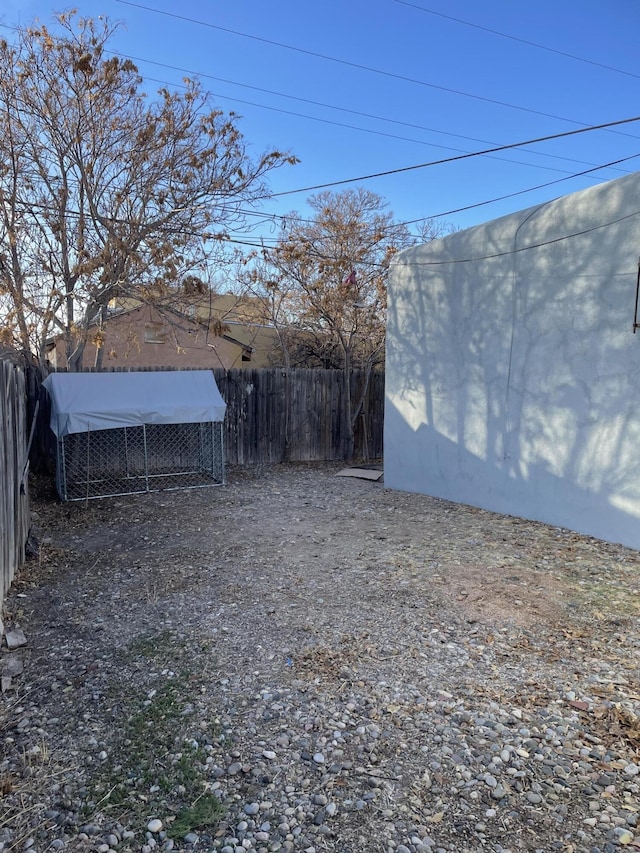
<point>304,662</point>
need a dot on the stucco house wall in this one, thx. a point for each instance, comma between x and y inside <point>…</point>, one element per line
<point>513,374</point>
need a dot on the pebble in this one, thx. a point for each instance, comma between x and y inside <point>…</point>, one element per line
<point>623,836</point>
<point>154,825</point>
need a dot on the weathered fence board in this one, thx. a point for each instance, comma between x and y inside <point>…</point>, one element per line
<point>14,500</point>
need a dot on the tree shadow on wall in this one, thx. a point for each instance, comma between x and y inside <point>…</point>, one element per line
<point>513,380</point>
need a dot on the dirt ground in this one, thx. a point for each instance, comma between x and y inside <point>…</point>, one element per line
<point>329,590</point>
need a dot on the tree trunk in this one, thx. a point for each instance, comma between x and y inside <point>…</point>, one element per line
<point>97,362</point>
<point>348,422</point>
<point>75,356</point>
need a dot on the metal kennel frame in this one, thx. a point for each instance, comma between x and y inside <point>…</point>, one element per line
<point>143,458</point>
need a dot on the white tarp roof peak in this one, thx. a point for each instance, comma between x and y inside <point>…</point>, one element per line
<point>82,402</point>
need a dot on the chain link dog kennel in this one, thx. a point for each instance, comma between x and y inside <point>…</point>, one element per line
<point>123,433</point>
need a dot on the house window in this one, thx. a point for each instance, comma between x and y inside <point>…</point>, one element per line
<point>155,333</point>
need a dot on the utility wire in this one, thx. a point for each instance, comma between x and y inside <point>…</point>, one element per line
<point>511,145</point>
<point>352,127</point>
<point>325,57</point>
<point>201,74</point>
<point>374,132</point>
<point>465,155</point>
<point>297,219</point>
<point>521,248</point>
<point>204,75</point>
<point>518,192</point>
<point>426,217</point>
<point>521,40</point>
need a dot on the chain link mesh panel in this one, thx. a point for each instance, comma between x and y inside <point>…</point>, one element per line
<point>148,458</point>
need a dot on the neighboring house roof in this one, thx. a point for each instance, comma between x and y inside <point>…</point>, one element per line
<point>147,336</point>
<point>226,307</point>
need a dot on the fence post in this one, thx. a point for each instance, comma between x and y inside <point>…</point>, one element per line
<point>14,494</point>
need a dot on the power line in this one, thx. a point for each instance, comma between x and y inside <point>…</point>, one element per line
<point>521,40</point>
<point>458,157</point>
<point>204,75</point>
<point>491,201</point>
<point>259,245</point>
<point>342,109</point>
<point>520,248</point>
<point>272,216</point>
<point>518,192</point>
<point>325,57</point>
<point>285,217</point>
<point>352,127</point>
<point>465,155</point>
<point>367,130</point>
<point>331,106</point>
<point>201,74</point>
<point>399,263</point>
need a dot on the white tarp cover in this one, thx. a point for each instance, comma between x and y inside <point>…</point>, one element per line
<point>91,401</point>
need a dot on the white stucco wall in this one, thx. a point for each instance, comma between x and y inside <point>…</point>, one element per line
<point>513,375</point>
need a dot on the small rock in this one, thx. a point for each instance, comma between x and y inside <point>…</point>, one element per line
<point>154,825</point>
<point>318,758</point>
<point>12,666</point>
<point>15,639</point>
<point>623,835</point>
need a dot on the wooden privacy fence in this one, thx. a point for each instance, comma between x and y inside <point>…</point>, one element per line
<point>14,500</point>
<point>277,415</point>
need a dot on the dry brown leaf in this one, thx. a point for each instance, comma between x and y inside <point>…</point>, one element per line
<point>435,818</point>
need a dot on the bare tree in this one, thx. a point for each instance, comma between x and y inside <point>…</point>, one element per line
<point>326,278</point>
<point>103,193</point>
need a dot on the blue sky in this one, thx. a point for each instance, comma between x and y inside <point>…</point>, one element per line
<point>362,87</point>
